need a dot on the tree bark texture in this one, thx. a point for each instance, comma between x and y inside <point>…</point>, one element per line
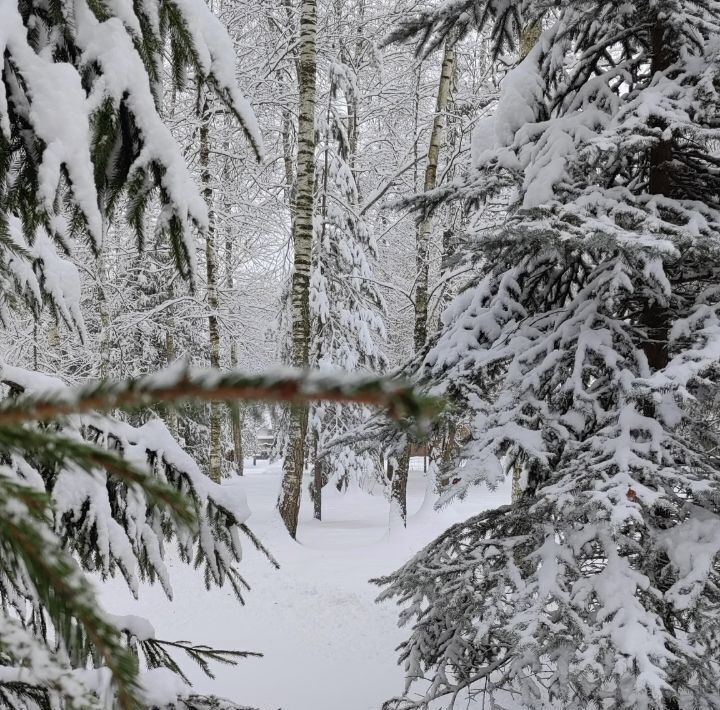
<point>235,409</point>
<point>317,489</point>
<point>656,317</point>
<point>215,458</point>
<point>424,229</point>
<point>398,489</point>
<point>294,463</point>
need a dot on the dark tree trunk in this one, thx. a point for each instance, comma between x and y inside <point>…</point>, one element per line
<point>656,322</point>
<point>398,485</point>
<point>656,317</point>
<point>316,487</point>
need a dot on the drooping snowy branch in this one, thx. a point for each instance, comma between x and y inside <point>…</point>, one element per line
<point>580,360</point>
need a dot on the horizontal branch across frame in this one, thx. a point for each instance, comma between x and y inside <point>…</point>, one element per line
<point>177,384</point>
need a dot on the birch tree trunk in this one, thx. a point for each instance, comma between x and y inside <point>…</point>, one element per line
<point>398,488</point>
<point>424,229</point>
<point>170,355</point>
<point>235,408</point>
<point>287,124</point>
<point>215,465</point>
<point>294,463</point>
<point>289,188</point>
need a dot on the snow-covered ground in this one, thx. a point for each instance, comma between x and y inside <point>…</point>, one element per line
<point>327,644</point>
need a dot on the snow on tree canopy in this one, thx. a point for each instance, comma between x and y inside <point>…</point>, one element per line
<point>100,69</point>
<point>519,102</point>
<point>83,496</point>
<point>586,349</point>
<point>346,311</point>
<point>81,137</point>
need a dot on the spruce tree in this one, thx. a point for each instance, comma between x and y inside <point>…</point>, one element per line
<point>81,134</point>
<point>88,493</point>
<point>585,348</point>
<point>345,305</point>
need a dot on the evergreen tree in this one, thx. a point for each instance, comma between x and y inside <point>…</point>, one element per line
<point>81,134</point>
<point>583,348</point>
<point>90,493</point>
<point>101,69</point>
<point>345,305</point>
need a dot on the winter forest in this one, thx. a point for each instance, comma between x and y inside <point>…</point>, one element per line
<point>360,354</point>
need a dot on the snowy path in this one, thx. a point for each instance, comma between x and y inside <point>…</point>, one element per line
<point>327,645</point>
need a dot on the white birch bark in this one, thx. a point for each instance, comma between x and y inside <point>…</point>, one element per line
<point>215,458</point>
<point>294,463</point>
<point>398,489</point>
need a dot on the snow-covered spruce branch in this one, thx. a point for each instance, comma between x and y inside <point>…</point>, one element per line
<point>182,384</point>
<point>156,652</point>
<point>88,492</point>
<point>32,555</point>
<point>578,361</point>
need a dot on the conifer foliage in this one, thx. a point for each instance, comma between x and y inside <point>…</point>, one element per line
<point>81,134</point>
<point>90,493</point>
<point>345,305</point>
<point>99,66</point>
<point>585,347</point>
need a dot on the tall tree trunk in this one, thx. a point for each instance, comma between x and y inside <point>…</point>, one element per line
<point>235,409</point>
<point>317,486</point>
<point>236,420</point>
<point>283,35</point>
<point>424,228</point>
<point>398,489</point>
<point>170,355</point>
<point>289,188</point>
<point>655,317</point>
<point>528,39</point>
<point>215,465</point>
<point>294,463</point>
<point>353,125</point>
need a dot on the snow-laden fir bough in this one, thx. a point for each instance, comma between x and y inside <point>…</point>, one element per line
<point>80,134</point>
<point>587,352</point>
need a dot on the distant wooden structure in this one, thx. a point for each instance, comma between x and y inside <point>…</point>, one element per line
<point>264,438</point>
<point>419,449</point>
